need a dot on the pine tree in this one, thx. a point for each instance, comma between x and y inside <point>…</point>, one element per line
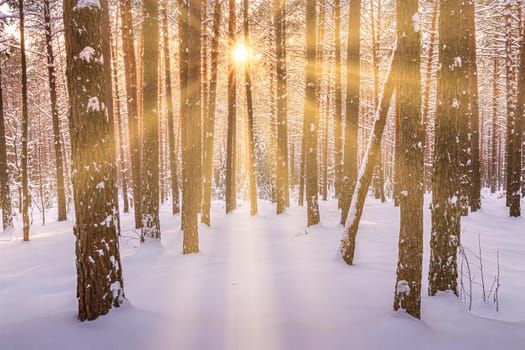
<point>515,183</point>
<point>59,162</point>
<point>282,178</point>
<point>150,176</point>
<point>474,197</point>
<point>191,132</point>
<point>26,201</point>
<point>5,191</point>
<point>118,123</point>
<point>451,106</point>
<point>249,111</point>
<point>99,273</point>
<point>409,266</point>
<point>311,116</point>
<point>210,123</point>
<point>353,67</point>
<point>358,197</point>
<point>170,115</point>
<point>231,183</point>
<point>338,118</point>
<point>130,69</point>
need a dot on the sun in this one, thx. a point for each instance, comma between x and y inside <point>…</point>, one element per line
<point>240,53</point>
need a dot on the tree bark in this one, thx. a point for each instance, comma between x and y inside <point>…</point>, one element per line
<point>338,118</point>
<point>451,107</point>
<point>59,162</point>
<point>5,191</point>
<point>118,117</point>
<point>472,71</point>
<point>494,132</point>
<point>282,177</point>
<point>410,257</point>
<point>366,171</point>
<point>231,183</point>
<point>311,116</point>
<point>191,122</point>
<point>130,69</point>
<point>353,77</point>
<point>249,111</point>
<point>210,123</point>
<point>170,114</point>
<point>25,116</point>
<point>150,131</point>
<point>99,271</point>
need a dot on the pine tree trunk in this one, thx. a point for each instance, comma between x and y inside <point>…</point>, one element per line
<point>410,259</point>
<point>249,110</point>
<point>472,71</point>
<point>282,177</point>
<point>338,118</point>
<point>170,115</point>
<point>451,107</point>
<point>357,200</point>
<point>426,95</point>
<point>231,191</point>
<point>5,191</point>
<point>494,132</point>
<point>379,186</point>
<point>59,162</point>
<point>191,122</point>
<point>130,69</point>
<point>510,97</point>
<point>25,116</point>
<point>353,77</point>
<point>150,131</point>
<point>118,117</point>
<point>99,271</point>
<point>311,116</point>
<point>517,125</point>
<point>210,123</point>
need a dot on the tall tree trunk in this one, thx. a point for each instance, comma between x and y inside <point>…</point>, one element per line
<point>311,116</point>
<point>150,115</point>
<point>338,124</point>
<point>249,110</point>
<point>282,177</point>
<point>494,132</point>
<point>353,77</point>
<point>118,117</point>
<point>25,177</point>
<point>210,122</point>
<point>321,15</point>
<point>451,107</point>
<point>130,69</point>
<point>99,271</point>
<point>517,125</point>
<point>357,201</point>
<point>191,122</point>
<point>426,94</point>
<point>5,191</point>
<point>410,257</point>
<point>510,96</point>
<point>472,71</point>
<point>379,185</point>
<point>231,183</point>
<point>59,162</point>
<point>170,115</point>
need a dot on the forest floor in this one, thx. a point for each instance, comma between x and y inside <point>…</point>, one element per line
<point>264,283</point>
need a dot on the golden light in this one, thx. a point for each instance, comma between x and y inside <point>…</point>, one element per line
<point>240,53</point>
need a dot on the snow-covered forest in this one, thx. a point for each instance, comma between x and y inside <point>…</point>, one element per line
<point>262,174</point>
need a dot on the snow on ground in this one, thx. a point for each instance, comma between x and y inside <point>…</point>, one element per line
<point>261,283</point>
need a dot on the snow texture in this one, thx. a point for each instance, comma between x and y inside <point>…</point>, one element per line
<point>260,283</point>
<point>82,4</point>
